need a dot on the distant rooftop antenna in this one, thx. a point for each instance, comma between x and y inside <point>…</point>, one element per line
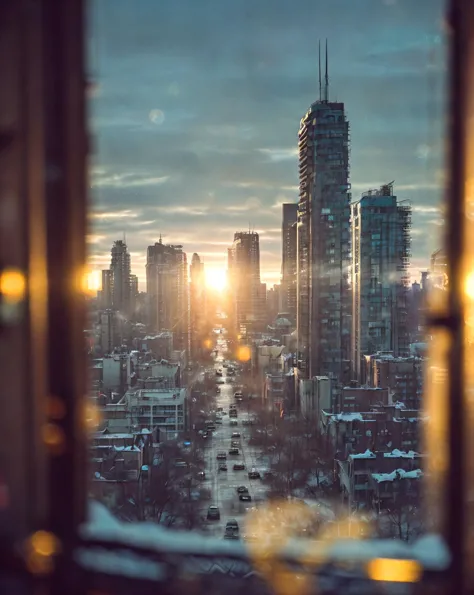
<point>319,59</point>
<point>326,76</point>
<point>160,241</point>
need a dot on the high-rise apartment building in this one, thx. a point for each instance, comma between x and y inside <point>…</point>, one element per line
<point>323,243</point>
<point>167,290</point>
<point>244,282</point>
<point>133,295</point>
<point>197,304</point>
<point>106,291</point>
<point>120,272</point>
<point>288,260</point>
<point>380,229</point>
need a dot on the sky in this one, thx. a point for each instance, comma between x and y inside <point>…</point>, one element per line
<point>197,105</point>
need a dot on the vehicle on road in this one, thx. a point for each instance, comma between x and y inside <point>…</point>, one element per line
<point>221,456</point>
<point>219,420</point>
<point>230,534</point>
<point>234,451</point>
<point>233,406</point>
<point>233,413</point>
<point>239,467</point>
<point>235,434</point>
<point>234,422</point>
<point>213,513</point>
<point>220,409</point>
<point>232,524</point>
<point>222,467</point>
<point>254,474</point>
<point>220,381</point>
<point>242,490</point>
<point>210,427</point>
<point>245,497</point>
<point>238,394</point>
<point>235,444</point>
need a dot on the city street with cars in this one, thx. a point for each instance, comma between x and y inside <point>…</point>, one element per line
<point>232,492</point>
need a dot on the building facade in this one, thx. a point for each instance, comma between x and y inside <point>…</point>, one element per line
<point>120,269</point>
<point>168,292</point>
<point>288,260</point>
<point>380,259</point>
<point>323,242</point>
<point>197,303</point>
<point>244,282</point>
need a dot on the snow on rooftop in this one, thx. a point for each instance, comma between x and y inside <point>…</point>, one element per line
<point>348,417</point>
<point>368,454</point>
<point>397,454</point>
<point>397,474</point>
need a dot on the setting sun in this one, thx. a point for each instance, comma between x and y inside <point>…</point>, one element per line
<point>216,278</point>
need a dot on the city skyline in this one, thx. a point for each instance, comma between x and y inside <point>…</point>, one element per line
<point>196,153</point>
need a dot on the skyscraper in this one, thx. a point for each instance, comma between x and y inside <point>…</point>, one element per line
<point>244,282</point>
<point>167,290</point>
<point>106,291</point>
<point>323,239</point>
<point>197,304</point>
<point>288,260</point>
<point>380,229</point>
<point>120,272</point>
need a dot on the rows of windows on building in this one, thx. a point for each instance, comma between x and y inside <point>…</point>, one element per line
<point>340,342</point>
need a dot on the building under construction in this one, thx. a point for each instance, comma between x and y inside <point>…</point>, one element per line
<point>380,228</point>
<point>323,239</point>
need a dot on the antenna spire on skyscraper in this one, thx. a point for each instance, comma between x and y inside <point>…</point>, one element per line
<point>326,77</point>
<point>319,60</point>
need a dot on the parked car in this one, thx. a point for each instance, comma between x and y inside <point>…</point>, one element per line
<point>233,451</point>
<point>245,497</point>
<point>239,467</point>
<point>223,467</point>
<point>213,513</point>
<point>235,434</point>
<point>242,490</point>
<point>221,456</point>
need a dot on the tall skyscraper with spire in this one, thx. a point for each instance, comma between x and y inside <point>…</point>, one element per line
<point>323,239</point>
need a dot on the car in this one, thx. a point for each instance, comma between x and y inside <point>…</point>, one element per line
<point>242,490</point>
<point>235,434</point>
<point>220,409</point>
<point>239,467</point>
<point>230,372</point>
<point>213,513</point>
<point>254,474</point>
<point>232,413</point>
<point>234,444</point>
<point>234,422</point>
<point>219,420</point>
<point>245,497</point>
<point>220,381</point>
<point>218,373</point>
<point>233,451</point>
<point>232,524</point>
<point>201,475</point>
<point>221,456</point>
<point>232,406</point>
<point>238,394</point>
<point>211,427</point>
<point>223,467</point>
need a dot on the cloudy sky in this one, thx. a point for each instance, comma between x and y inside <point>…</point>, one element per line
<point>197,110</point>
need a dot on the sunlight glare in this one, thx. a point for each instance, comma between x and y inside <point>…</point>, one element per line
<point>216,278</point>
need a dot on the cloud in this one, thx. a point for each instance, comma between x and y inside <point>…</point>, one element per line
<point>277,155</point>
<point>126,214</point>
<point>126,180</point>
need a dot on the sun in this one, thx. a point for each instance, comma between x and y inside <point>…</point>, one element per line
<point>216,278</point>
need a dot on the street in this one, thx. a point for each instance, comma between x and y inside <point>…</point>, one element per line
<point>224,484</point>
